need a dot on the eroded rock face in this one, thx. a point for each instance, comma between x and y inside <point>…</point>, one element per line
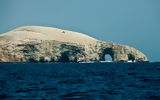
<point>21,48</point>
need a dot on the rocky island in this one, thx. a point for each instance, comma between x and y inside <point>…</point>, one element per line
<point>46,44</point>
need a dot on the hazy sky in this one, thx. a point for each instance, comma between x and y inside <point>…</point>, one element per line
<point>130,22</point>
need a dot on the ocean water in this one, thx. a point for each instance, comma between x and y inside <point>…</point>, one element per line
<point>80,81</point>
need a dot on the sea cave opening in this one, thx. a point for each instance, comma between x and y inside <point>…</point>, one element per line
<point>131,57</point>
<point>64,57</point>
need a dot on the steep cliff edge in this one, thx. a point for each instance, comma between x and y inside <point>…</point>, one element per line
<point>45,44</point>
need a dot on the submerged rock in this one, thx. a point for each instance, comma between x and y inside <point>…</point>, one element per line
<point>45,44</point>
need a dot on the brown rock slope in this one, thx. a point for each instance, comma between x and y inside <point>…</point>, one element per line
<point>45,44</point>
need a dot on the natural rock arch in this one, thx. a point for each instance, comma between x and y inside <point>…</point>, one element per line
<point>107,51</point>
<point>121,53</point>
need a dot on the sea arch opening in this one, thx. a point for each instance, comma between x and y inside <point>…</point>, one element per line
<point>108,57</point>
<point>107,54</point>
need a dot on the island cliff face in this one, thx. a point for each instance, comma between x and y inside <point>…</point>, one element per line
<point>45,44</point>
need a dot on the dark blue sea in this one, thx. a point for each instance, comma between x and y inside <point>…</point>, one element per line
<point>80,81</point>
